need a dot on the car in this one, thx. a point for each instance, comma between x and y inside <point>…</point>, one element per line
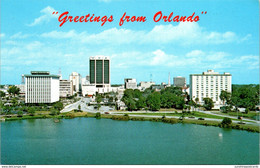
<point>106,112</point>
<point>201,118</point>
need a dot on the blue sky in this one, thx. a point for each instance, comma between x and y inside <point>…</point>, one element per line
<point>225,39</point>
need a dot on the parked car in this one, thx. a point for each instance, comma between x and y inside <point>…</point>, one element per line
<point>201,119</point>
<point>106,112</point>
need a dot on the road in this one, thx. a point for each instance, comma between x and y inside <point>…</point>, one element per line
<point>233,117</point>
<point>83,103</point>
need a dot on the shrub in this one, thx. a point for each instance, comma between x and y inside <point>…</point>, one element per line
<point>137,118</point>
<point>123,118</point>
<point>20,114</point>
<point>170,120</point>
<point>98,115</point>
<point>226,122</point>
<point>69,115</point>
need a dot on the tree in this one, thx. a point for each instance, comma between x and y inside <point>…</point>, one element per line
<point>141,103</point>
<point>14,101</point>
<point>246,110</point>
<point>208,103</point>
<point>98,106</point>
<point>192,103</point>
<point>98,98</point>
<point>31,111</point>
<point>58,105</point>
<point>167,99</point>
<point>13,90</point>
<point>154,101</point>
<point>19,114</point>
<point>246,96</point>
<point>110,99</point>
<point>225,97</point>
<point>79,108</point>
<point>7,109</point>
<point>197,100</point>
<point>98,115</point>
<point>53,111</point>
<point>2,94</point>
<point>179,102</point>
<point>226,122</point>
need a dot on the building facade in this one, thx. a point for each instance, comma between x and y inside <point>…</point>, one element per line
<point>209,85</point>
<point>66,88</point>
<point>99,69</point>
<point>145,85</point>
<point>76,82</point>
<point>130,83</point>
<point>41,87</point>
<point>179,81</point>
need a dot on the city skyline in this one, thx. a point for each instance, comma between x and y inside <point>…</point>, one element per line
<point>225,39</point>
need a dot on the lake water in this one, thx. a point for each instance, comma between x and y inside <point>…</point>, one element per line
<point>105,141</point>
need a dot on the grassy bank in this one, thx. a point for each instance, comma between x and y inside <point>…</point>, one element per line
<point>126,117</point>
<point>192,114</point>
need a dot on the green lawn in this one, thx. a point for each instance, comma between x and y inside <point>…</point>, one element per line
<point>250,115</point>
<point>193,114</point>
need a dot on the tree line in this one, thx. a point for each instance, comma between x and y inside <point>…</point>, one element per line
<point>170,97</point>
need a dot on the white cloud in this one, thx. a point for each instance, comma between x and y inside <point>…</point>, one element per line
<point>19,35</point>
<point>195,53</point>
<point>62,35</point>
<point>34,45</point>
<point>194,59</point>
<point>45,17</point>
<point>2,35</point>
<point>183,33</point>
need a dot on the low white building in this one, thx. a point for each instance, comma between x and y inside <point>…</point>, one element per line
<point>41,87</point>
<point>130,83</point>
<point>66,88</point>
<point>88,90</point>
<point>145,85</point>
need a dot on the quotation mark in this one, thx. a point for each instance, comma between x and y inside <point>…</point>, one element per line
<point>54,13</point>
<point>204,12</point>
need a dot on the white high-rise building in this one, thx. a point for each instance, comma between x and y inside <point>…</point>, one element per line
<point>41,87</point>
<point>76,82</point>
<point>209,85</point>
<point>66,88</point>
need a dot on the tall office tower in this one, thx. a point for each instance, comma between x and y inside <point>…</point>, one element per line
<point>99,69</point>
<point>179,81</point>
<point>41,87</point>
<point>76,82</point>
<point>209,84</point>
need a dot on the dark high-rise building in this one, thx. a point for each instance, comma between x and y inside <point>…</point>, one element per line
<point>99,70</point>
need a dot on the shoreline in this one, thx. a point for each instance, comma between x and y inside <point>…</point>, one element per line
<point>246,127</point>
